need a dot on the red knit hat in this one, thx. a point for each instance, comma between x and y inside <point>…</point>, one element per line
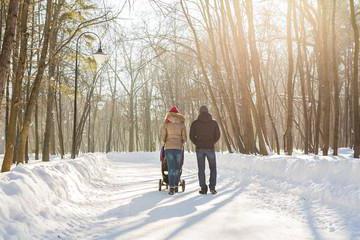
<point>174,110</point>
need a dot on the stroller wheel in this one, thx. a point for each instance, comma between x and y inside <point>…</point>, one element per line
<point>183,185</point>
<point>160,184</point>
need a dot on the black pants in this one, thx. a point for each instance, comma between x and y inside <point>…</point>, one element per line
<point>201,154</point>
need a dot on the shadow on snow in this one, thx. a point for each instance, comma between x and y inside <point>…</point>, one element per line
<point>184,208</point>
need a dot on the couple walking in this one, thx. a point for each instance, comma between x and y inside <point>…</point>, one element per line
<point>204,133</point>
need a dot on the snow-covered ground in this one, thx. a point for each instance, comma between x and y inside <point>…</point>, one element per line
<point>115,196</point>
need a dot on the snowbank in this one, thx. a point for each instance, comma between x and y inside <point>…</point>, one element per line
<point>36,198</point>
<point>332,180</point>
<point>32,196</point>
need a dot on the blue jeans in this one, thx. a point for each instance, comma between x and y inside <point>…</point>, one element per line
<point>201,154</point>
<point>174,162</point>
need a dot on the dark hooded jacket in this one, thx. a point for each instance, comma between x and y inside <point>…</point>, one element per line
<point>204,132</point>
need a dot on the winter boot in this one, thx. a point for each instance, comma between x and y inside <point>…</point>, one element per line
<point>171,191</point>
<point>176,189</point>
<point>213,191</point>
<point>203,191</point>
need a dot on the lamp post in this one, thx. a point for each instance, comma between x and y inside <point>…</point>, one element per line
<point>99,57</point>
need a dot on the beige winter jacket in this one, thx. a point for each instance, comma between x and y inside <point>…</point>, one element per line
<point>173,131</point>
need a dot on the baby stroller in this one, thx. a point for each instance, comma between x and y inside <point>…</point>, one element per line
<point>164,172</point>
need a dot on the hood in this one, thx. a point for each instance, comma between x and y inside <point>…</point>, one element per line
<point>174,117</point>
<point>205,117</point>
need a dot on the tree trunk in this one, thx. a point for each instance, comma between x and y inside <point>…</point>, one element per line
<point>302,80</point>
<point>290,94</point>
<point>202,67</point>
<point>131,123</point>
<point>336,83</point>
<point>49,124</point>
<point>89,130</point>
<point>228,98</point>
<point>8,42</point>
<point>59,118</point>
<point>355,88</point>
<point>7,108</point>
<point>84,116</point>
<point>16,90</point>
<point>37,137</point>
<point>112,114</point>
<point>37,83</point>
<point>109,140</point>
<point>324,77</point>
<point>242,75</point>
<point>256,71</point>
<point>147,118</point>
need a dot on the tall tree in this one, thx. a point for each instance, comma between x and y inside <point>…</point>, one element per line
<point>24,133</point>
<point>202,67</point>
<point>289,92</point>
<point>355,79</point>
<point>8,41</point>
<point>256,73</point>
<point>335,77</point>
<point>16,89</point>
<point>324,76</point>
<point>49,123</point>
<point>300,53</point>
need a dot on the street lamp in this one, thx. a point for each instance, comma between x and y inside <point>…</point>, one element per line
<point>100,58</point>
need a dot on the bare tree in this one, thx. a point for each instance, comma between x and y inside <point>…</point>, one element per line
<point>7,44</point>
<point>354,86</point>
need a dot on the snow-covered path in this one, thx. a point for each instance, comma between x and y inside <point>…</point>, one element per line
<point>122,202</point>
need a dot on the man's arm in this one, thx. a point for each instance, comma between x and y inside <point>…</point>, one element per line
<point>192,133</point>
<point>217,132</point>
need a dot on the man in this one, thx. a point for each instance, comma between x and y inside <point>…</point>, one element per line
<point>204,133</point>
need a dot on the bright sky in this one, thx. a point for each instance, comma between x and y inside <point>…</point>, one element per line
<point>141,10</point>
<point>145,10</point>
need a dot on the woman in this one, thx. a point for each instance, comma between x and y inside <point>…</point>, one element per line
<point>173,136</point>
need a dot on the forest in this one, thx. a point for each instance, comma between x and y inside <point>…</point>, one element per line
<point>279,76</point>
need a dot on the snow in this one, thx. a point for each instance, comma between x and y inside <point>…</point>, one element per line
<point>114,196</point>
